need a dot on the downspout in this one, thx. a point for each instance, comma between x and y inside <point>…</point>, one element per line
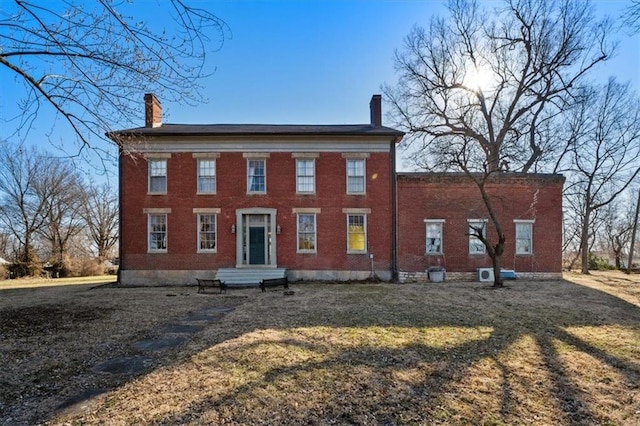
<point>120,180</point>
<point>394,214</point>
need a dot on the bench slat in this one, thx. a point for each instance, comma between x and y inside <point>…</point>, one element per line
<point>203,283</point>
<point>274,282</point>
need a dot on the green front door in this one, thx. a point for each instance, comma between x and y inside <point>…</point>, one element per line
<point>257,245</point>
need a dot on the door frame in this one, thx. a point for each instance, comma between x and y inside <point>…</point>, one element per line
<point>270,240</point>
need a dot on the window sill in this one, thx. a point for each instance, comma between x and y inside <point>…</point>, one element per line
<point>434,254</point>
<point>356,252</point>
<point>156,193</point>
<point>213,251</point>
<point>206,193</point>
<point>307,252</point>
<point>157,252</point>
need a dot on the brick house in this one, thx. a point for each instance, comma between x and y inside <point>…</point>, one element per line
<point>311,201</point>
<point>436,211</point>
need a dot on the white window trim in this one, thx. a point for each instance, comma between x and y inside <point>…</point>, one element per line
<point>315,233</point>
<point>356,155</point>
<point>215,175</point>
<point>313,162</point>
<point>256,158</point>
<point>427,222</point>
<point>206,155</point>
<point>158,212</point>
<point>523,221</point>
<point>364,174</point>
<point>166,173</point>
<point>199,214</point>
<point>307,210</point>
<point>157,155</point>
<point>357,212</point>
<point>484,232</point>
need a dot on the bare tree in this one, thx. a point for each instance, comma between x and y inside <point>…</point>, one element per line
<point>634,230</point>
<point>23,210</point>
<point>605,152</point>
<point>4,245</point>
<point>100,212</point>
<point>478,91</point>
<point>89,63</point>
<point>616,230</point>
<point>631,16</point>
<point>62,189</point>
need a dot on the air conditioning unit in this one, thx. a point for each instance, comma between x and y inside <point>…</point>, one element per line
<point>485,274</point>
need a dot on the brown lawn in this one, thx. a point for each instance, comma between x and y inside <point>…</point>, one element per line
<point>550,352</point>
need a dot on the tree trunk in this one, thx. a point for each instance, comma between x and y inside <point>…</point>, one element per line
<point>633,236</point>
<point>584,241</point>
<point>498,282</point>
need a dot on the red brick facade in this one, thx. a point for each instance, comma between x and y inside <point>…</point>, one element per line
<point>454,199</point>
<point>162,238</point>
<point>329,200</point>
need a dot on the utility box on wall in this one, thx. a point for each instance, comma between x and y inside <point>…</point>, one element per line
<point>436,274</point>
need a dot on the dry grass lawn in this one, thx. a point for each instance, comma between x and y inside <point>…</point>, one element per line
<point>551,352</point>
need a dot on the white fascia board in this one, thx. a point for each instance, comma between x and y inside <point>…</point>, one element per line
<point>191,144</point>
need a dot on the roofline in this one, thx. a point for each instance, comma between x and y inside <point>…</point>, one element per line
<point>433,176</point>
<point>287,130</point>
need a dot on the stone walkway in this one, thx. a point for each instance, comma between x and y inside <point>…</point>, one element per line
<point>170,336</point>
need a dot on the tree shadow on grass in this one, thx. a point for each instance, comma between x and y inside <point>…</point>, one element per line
<point>341,356</point>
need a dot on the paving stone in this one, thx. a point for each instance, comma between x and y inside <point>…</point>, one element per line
<point>80,402</point>
<point>218,310</point>
<point>182,328</point>
<point>126,365</point>
<point>159,344</point>
<point>202,317</point>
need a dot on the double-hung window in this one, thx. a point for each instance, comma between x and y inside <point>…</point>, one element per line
<point>356,230</point>
<point>306,233</point>
<point>206,232</point>
<point>157,226</point>
<point>206,176</point>
<point>434,236</point>
<point>355,176</point>
<point>157,175</point>
<point>305,175</point>
<point>524,237</point>
<point>256,175</point>
<point>476,228</point>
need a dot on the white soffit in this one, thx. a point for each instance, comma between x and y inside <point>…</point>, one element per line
<point>263,145</point>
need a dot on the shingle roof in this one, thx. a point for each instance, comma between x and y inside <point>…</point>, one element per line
<point>259,129</point>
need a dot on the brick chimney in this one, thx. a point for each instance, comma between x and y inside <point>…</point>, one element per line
<point>376,110</point>
<point>152,111</point>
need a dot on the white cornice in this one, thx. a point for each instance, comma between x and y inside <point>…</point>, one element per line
<point>204,145</point>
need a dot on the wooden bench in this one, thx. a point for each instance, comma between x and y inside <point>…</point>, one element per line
<point>203,283</point>
<point>274,282</point>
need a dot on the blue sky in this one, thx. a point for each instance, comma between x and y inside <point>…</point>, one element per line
<point>319,62</point>
<point>307,61</point>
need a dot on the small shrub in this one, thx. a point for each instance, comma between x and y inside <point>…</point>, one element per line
<point>85,267</point>
<point>4,273</point>
<point>597,263</point>
<point>23,269</point>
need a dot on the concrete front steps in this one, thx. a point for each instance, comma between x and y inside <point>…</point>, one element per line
<point>248,277</point>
